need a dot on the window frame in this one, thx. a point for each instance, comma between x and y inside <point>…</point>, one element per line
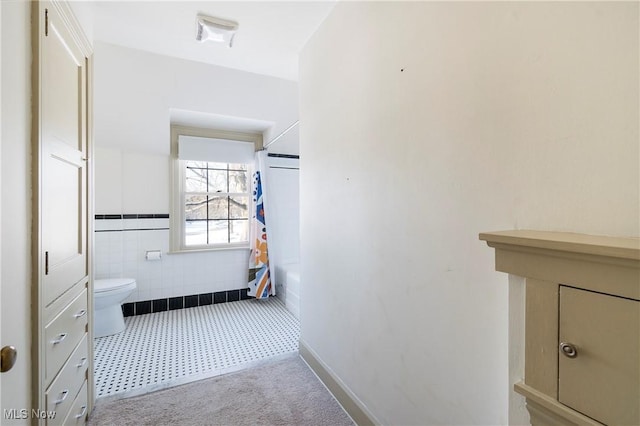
<point>177,221</point>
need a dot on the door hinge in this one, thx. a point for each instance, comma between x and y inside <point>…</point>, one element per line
<point>46,263</point>
<point>46,22</point>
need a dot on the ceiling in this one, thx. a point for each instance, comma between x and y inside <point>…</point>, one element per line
<point>269,39</point>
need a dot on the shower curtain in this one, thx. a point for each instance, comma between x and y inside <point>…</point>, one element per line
<point>259,276</point>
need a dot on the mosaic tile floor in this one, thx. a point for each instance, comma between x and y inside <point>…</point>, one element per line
<point>168,348</point>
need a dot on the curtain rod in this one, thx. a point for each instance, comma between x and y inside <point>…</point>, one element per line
<point>281,134</point>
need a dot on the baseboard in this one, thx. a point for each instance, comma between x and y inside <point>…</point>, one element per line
<point>351,404</point>
<point>143,307</point>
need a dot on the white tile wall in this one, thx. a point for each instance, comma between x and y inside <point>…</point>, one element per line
<point>120,248</point>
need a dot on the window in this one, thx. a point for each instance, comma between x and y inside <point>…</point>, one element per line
<point>211,188</point>
<point>216,203</point>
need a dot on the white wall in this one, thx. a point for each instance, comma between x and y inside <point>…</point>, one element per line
<point>283,180</point>
<point>283,224</point>
<point>135,90</point>
<point>423,124</point>
<point>288,143</point>
<point>16,202</point>
<point>84,12</point>
<point>131,182</point>
<point>135,94</point>
<point>108,181</point>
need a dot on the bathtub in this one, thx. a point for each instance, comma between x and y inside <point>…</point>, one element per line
<point>288,277</point>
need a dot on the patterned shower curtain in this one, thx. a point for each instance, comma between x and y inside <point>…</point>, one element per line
<point>259,276</point>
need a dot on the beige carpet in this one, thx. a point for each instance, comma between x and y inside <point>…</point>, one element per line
<point>284,392</point>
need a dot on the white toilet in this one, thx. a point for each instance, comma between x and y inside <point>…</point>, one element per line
<point>108,296</point>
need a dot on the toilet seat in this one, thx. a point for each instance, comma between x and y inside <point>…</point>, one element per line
<point>110,284</point>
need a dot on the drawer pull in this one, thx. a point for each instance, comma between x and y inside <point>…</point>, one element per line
<point>80,314</point>
<point>568,350</point>
<point>82,412</point>
<point>60,338</point>
<point>82,362</point>
<point>64,395</point>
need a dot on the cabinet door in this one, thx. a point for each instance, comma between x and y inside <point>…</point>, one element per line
<point>602,381</point>
<point>63,165</point>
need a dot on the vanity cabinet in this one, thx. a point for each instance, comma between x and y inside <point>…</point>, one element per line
<point>582,324</point>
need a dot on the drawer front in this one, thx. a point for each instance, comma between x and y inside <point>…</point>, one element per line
<point>602,378</point>
<point>63,334</point>
<point>60,395</point>
<point>78,413</point>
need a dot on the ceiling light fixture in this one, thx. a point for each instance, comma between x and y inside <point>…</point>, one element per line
<point>215,29</point>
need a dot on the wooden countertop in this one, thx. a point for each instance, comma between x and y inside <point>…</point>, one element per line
<point>617,247</point>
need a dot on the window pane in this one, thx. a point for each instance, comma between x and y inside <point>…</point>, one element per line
<point>237,167</point>
<point>239,231</point>
<point>218,181</point>
<point>219,207</point>
<point>216,218</point>
<point>196,180</point>
<point>238,207</point>
<point>238,182</point>
<point>195,233</point>
<point>218,231</point>
<point>195,207</point>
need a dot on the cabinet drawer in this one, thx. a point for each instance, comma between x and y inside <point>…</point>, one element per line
<point>60,395</point>
<point>78,412</point>
<point>63,333</point>
<point>602,380</point>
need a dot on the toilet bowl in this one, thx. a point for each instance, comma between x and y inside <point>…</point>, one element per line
<point>108,295</point>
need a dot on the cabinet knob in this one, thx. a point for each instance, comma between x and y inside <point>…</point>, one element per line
<point>83,411</point>
<point>63,396</point>
<point>568,350</point>
<point>60,338</point>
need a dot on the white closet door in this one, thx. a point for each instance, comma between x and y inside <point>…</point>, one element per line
<point>64,146</point>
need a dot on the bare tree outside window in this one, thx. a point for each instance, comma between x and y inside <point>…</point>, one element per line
<point>216,203</point>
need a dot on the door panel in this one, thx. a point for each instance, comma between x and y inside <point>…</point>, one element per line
<point>62,87</point>
<point>64,177</point>
<point>63,219</point>
<point>603,380</point>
